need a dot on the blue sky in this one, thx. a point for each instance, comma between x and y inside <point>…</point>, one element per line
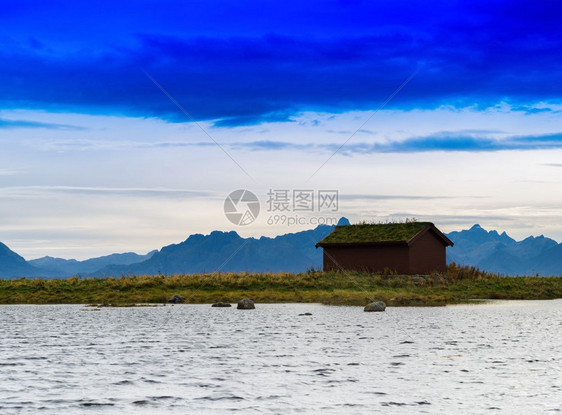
<point>243,63</point>
<point>96,158</point>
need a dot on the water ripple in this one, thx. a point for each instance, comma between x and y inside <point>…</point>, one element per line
<point>489,358</point>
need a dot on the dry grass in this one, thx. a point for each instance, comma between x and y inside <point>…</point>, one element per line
<point>458,284</point>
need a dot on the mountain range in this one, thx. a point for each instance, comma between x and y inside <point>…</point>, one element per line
<point>293,252</point>
<point>494,252</point>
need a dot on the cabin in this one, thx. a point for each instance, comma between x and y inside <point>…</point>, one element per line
<point>404,248</point>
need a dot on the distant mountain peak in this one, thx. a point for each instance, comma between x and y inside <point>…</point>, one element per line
<point>7,254</point>
<point>476,227</point>
<point>13,265</point>
<point>343,221</point>
<point>223,233</point>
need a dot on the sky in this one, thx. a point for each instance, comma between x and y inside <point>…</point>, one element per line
<point>125,125</point>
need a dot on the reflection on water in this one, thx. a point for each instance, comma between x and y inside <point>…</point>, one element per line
<point>503,357</point>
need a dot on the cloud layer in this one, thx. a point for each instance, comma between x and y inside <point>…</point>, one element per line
<point>338,58</point>
<point>448,141</point>
<point>9,124</point>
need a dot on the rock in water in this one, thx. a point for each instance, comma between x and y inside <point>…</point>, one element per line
<point>376,306</point>
<point>246,304</point>
<point>176,299</point>
<point>221,304</point>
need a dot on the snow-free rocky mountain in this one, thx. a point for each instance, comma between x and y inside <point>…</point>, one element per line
<point>293,252</point>
<point>12,264</point>
<point>494,252</point>
<point>65,267</point>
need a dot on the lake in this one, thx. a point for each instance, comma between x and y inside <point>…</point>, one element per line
<point>498,357</point>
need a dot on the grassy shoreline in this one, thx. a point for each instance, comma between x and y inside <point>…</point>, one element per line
<point>457,285</point>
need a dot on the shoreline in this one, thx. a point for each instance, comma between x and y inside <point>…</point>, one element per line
<point>473,302</point>
<point>459,285</point>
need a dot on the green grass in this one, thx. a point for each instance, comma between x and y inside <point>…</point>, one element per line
<point>383,232</point>
<point>457,285</point>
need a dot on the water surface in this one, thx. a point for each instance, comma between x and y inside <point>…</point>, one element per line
<point>502,357</point>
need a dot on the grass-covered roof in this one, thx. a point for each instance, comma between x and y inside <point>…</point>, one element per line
<point>374,233</point>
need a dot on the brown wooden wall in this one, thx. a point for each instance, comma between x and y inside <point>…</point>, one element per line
<point>367,258</point>
<point>425,255</point>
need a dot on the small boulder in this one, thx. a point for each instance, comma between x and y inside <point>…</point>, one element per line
<point>376,306</point>
<point>246,304</point>
<point>305,314</point>
<point>176,299</point>
<point>221,304</point>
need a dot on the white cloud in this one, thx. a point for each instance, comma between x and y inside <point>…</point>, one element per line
<point>122,184</point>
